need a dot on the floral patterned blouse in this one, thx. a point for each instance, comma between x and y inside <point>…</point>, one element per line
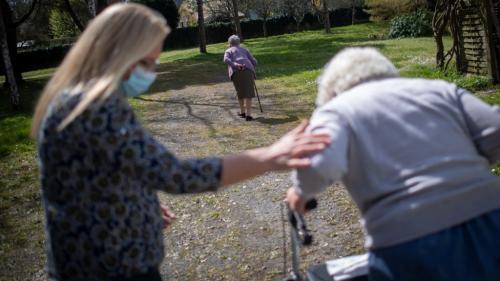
<point>99,179</point>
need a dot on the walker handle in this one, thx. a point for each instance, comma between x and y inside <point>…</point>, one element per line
<point>298,223</point>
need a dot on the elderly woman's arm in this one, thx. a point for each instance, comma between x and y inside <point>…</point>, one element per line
<point>483,122</point>
<point>229,61</point>
<point>251,58</point>
<point>327,166</point>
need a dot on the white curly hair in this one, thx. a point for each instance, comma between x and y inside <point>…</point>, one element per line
<point>233,40</point>
<point>351,67</point>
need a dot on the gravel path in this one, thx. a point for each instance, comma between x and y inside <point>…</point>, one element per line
<point>237,234</point>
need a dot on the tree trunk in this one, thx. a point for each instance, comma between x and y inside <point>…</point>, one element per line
<point>440,21</point>
<point>9,71</point>
<point>264,27</point>
<point>326,16</point>
<point>27,15</point>
<point>92,7</point>
<point>11,37</point>
<point>457,40</point>
<point>100,5</point>
<point>237,19</point>
<point>439,51</point>
<point>353,12</point>
<point>201,27</point>
<point>494,22</point>
<point>73,15</point>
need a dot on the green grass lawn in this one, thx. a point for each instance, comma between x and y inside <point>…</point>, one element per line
<point>288,64</point>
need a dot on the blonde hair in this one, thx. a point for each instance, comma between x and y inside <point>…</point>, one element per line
<point>111,44</point>
<point>351,67</point>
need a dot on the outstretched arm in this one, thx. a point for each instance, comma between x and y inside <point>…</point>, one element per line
<point>147,162</point>
<point>291,151</point>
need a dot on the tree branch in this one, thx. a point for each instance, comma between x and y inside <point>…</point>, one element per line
<point>73,15</point>
<point>27,15</point>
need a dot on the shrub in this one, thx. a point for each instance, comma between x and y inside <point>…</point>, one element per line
<point>380,10</point>
<point>415,24</point>
<point>496,170</point>
<point>61,25</point>
<point>218,32</point>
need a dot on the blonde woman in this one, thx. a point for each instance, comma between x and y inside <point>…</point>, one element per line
<point>100,169</point>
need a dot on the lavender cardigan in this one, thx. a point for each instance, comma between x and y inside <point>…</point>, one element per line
<point>238,55</point>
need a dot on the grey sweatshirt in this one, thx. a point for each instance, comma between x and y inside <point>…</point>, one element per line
<point>414,155</point>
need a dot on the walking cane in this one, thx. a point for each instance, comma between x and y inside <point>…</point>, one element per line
<point>258,98</point>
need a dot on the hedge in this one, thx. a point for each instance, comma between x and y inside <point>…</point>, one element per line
<point>188,36</point>
<point>219,32</point>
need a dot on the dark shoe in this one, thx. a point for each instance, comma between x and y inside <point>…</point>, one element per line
<point>249,118</point>
<point>242,115</point>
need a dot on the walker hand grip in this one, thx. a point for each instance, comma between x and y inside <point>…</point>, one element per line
<point>298,223</point>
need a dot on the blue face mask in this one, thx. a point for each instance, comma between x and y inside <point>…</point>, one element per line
<point>139,82</point>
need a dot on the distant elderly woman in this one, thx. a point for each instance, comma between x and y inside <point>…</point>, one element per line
<point>241,68</point>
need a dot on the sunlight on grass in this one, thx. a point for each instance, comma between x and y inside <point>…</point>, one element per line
<point>14,133</point>
<point>292,62</point>
<point>288,68</point>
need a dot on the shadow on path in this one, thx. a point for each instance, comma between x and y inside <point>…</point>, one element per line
<point>190,112</point>
<point>276,121</point>
<point>224,106</point>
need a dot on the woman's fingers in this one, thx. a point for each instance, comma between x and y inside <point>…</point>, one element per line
<point>167,220</point>
<point>309,144</point>
<point>300,128</point>
<point>312,139</point>
<point>167,215</point>
<point>298,157</point>
<point>306,150</point>
<point>288,151</point>
<point>298,163</point>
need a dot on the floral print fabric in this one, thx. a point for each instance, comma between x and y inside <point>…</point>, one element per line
<point>99,180</point>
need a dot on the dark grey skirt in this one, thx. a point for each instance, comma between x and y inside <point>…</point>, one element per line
<point>243,81</point>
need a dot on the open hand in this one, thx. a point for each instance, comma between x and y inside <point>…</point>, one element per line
<point>293,149</point>
<point>167,216</point>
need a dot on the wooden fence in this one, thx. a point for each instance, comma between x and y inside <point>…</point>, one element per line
<point>480,43</point>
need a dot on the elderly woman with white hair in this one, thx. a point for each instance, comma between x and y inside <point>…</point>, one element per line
<point>415,156</point>
<point>241,67</point>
